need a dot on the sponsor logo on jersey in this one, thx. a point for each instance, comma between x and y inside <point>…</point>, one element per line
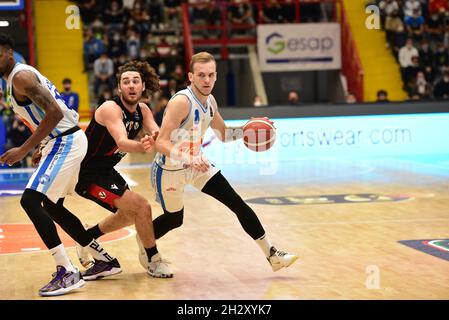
<point>197,117</point>
<point>44,179</point>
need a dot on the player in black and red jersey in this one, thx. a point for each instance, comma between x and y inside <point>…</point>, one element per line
<point>111,134</point>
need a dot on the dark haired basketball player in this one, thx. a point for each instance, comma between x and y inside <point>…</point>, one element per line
<point>62,148</point>
<point>180,161</point>
<point>110,134</point>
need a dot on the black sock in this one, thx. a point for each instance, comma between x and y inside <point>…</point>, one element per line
<point>95,232</point>
<point>151,252</point>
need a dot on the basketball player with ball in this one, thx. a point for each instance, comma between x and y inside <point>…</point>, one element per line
<point>180,162</point>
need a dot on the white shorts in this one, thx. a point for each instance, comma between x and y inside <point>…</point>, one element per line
<point>57,173</point>
<point>169,185</point>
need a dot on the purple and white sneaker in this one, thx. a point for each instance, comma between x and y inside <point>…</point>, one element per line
<point>62,282</point>
<point>101,269</point>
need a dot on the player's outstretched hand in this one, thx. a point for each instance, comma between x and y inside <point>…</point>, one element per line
<point>12,156</point>
<point>148,143</point>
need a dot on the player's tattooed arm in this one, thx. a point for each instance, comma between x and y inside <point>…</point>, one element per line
<point>27,86</point>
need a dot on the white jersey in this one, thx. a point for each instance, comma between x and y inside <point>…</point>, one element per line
<point>189,136</point>
<point>31,113</point>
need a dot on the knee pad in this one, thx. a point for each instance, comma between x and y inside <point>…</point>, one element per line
<point>175,219</point>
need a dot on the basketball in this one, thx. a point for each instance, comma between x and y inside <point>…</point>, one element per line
<point>259,134</point>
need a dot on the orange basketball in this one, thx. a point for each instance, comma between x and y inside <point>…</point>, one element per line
<point>259,134</point>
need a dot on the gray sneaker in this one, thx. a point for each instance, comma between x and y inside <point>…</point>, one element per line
<point>62,282</point>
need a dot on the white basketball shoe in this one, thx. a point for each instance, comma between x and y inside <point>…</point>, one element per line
<point>280,259</point>
<point>158,267</point>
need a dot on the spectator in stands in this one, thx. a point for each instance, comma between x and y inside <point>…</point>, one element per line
<point>392,24</point>
<point>289,11</point>
<point>293,98</point>
<point>351,98</point>
<point>159,109</point>
<point>155,9</point>
<point>415,25</point>
<point>70,98</point>
<point>411,71</point>
<point>141,19</point>
<point>103,73</point>
<point>106,94</point>
<point>87,10</point>
<point>199,15</point>
<point>420,86</point>
<point>179,75</point>
<point>98,28</point>
<point>405,56</point>
<point>427,60</point>
<point>132,45</point>
<point>214,18</point>
<point>387,7</point>
<point>400,40</point>
<point>114,17</point>
<point>441,57</point>
<point>382,96</point>
<point>426,54</point>
<point>410,6</point>
<point>310,11</point>
<point>116,46</point>
<point>272,12</point>
<point>435,27</point>
<point>171,88</point>
<point>172,12</point>
<point>441,89</point>
<point>93,48</point>
<point>240,12</point>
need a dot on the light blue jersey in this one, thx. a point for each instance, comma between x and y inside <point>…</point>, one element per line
<point>189,136</point>
<point>31,113</point>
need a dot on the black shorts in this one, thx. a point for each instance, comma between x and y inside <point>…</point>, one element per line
<point>102,187</point>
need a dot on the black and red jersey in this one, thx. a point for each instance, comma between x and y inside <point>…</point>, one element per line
<point>102,152</point>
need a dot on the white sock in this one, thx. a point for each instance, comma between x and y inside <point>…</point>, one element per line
<point>61,258</point>
<point>97,251</point>
<point>265,244</point>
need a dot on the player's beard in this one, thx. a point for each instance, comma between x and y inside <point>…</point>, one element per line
<point>130,102</point>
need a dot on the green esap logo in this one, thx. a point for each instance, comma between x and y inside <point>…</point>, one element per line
<point>275,46</point>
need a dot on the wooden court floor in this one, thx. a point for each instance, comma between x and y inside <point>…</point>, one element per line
<point>343,218</point>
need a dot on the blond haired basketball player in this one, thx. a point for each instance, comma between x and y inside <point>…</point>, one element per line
<point>180,162</point>
<point>63,146</point>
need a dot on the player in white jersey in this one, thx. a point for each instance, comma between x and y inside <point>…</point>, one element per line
<point>180,162</point>
<point>62,148</point>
